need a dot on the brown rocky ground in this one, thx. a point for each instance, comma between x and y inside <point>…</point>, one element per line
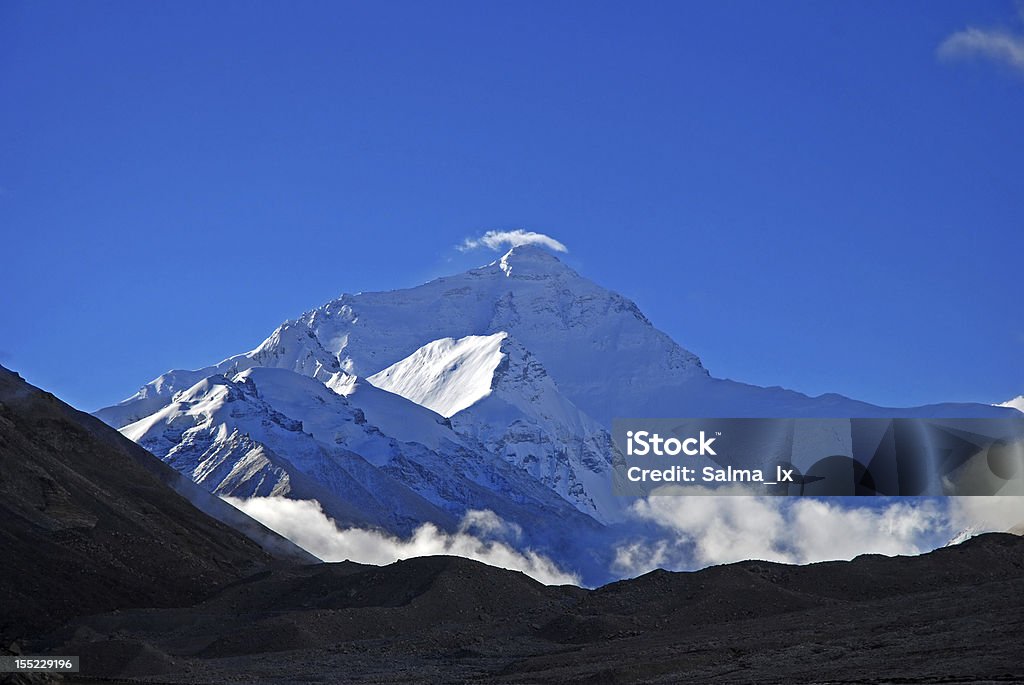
<point>955,615</point>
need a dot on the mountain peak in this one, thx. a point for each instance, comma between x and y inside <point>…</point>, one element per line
<point>529,261</point>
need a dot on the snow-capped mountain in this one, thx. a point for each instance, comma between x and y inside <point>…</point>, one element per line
<point>266,431</point>
<point>602,351</point>
<point>1016,403</point>
<point>491,389</point>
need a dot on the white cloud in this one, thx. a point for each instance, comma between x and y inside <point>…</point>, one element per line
<point>485,523</point>
<point>981,514</point>
<point>825,530</point>
<point>707,530</point>
<point>995,44</point>
<point>496,240</point>
<point>696,531</point>
<point>304,523</point>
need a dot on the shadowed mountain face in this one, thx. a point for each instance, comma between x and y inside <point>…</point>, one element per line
<point>90,522</point>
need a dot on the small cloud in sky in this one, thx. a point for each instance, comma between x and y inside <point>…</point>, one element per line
<point>996,44</point>
<point>496,240</point>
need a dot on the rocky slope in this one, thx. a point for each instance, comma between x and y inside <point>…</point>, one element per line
<point>92,522</point>
<point>953,615</point>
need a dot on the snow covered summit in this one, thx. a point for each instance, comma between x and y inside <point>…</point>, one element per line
<point>492,389</point>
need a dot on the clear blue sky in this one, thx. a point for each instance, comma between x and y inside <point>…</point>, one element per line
<point>803,193</point>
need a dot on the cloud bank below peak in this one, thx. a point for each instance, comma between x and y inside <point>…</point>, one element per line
<point>482,536</point>
<point>703,531</point>
<point>497,240</point>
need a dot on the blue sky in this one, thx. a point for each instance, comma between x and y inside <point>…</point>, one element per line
<point>815,195</point>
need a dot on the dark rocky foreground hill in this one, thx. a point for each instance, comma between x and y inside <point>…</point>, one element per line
<point>103,559</point>
<point>90,522</point>
<point>955,615</point>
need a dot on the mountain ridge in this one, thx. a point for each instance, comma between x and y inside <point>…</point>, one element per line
<point>324,341</point>
<point>492,389</point>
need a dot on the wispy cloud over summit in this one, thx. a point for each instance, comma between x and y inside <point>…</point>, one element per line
<point>496,240</point>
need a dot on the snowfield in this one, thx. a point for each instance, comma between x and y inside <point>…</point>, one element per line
<point>446,375</point>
